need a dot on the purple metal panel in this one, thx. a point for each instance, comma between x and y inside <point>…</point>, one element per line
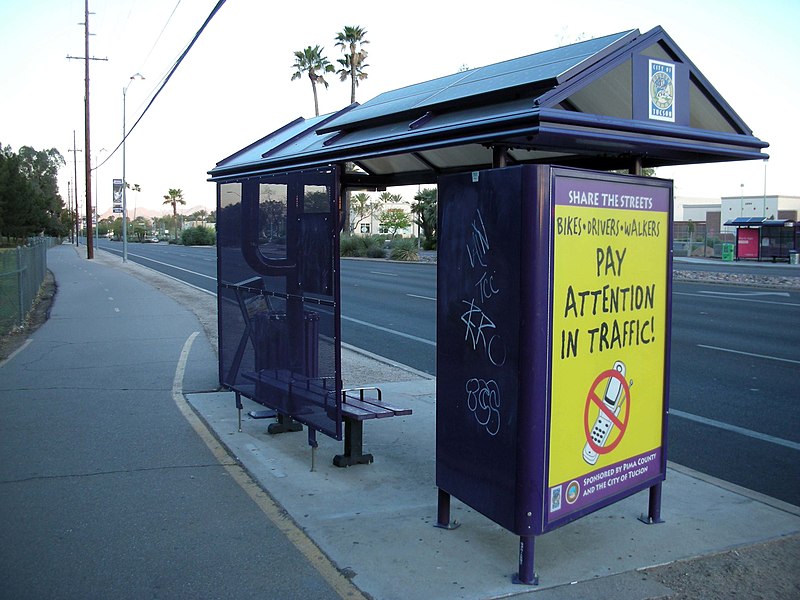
<point>490,221</point>
<point>477,390</point>
<point>536,288</point>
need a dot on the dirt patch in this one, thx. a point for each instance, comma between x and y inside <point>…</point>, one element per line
<point>766,571</point>
<point>38,314</point>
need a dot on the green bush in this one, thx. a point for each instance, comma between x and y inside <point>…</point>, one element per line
<point>404,249</point>
<point>429,244</point>
<point>359,246</point>
<point>349,246</point>
<point>198,236</point>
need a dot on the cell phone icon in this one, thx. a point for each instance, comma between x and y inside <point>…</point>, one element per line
<point>613,401</point>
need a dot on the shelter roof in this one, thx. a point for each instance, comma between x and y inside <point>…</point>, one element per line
<point>586,104</point>
<point>759,222</point>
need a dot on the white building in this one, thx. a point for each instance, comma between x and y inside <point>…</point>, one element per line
<point>730,207</point>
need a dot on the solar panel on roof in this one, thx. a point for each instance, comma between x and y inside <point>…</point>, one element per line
<point>546,66</point>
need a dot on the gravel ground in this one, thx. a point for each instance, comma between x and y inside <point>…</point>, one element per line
<point>767,281</point>
<point>769,571</point>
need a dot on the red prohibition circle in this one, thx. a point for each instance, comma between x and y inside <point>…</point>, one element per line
<point>593,398</point>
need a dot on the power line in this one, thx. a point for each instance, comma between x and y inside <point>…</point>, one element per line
<point>167,78</point>
<point>172,14</point>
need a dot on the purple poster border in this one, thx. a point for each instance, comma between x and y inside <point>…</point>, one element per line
<point>601,193</point>
<point>587,490</point>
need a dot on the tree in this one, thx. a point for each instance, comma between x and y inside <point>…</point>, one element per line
<point>395,219</point>
<point>312,62</point>
<point>175,197</point>
<point>390,198</point>
<point>425,209</point>
<point>134,188</point>
<point>361,207</point>
<point>353,62</point>
<point>201,215</point>
<point>29,200</point>
<point>140,228</point>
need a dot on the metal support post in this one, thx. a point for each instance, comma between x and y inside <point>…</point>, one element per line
<point>239,408</point>
<point>443,512</point>
<point>526,574</point>
<point>285,424</point>
<point>653,515</point>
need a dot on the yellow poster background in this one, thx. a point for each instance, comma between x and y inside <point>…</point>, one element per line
<point>634,253</point>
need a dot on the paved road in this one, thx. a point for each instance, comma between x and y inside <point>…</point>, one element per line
<point>735,356</point>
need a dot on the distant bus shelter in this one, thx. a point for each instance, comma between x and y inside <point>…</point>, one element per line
<point>761,239</point>
<point>533,229</point>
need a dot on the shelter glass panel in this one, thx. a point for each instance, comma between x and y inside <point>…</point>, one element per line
<point>278,302</point>
<point>272,211</point>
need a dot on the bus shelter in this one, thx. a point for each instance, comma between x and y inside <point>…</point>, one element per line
<point>554,269</point>
<point>762,238</point>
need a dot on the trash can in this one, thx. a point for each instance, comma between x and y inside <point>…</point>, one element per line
<point>794,257</point>
<point>727,252</point>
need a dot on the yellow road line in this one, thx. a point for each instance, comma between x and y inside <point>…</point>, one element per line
<point>277,515</point>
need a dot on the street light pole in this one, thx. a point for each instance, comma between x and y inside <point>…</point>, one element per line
<point>124,181</point>
<point>97,195</point>
<point>764,205</point>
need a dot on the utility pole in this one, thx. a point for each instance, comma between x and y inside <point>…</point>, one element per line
<point>86,59</point>
<point>75,151</point>
<point>69,210</point>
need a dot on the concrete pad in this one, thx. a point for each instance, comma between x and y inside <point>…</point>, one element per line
<point>376,520</point>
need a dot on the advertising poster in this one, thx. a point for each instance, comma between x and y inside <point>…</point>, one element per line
<point>747,243</point>
<point>117,191</point>
<point>609,340</point>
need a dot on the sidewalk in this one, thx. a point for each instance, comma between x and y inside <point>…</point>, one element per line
<point>106,488</point>
<point>377,521</point>
<point>374,522</point>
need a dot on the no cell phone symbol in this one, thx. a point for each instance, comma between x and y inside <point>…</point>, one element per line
<point>616,395</point>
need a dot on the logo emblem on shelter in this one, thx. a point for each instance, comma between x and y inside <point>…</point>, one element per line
<point>662,91</point>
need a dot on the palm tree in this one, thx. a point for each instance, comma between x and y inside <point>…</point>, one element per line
<point>200,215</point>
<point>174,198</point>
<point>134,188</point>
<point>312,61</point>
<point>353,62</point>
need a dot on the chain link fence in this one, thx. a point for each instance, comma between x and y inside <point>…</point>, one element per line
<point>698,239</point>
<point>22,271</point>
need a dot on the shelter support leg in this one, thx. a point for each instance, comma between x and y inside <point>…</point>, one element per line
<point>353,445</point>
<point>443,512</point>
<point>653,515</point>
<point>526,574</point>
<point>239,408</point>
<point>285,424</point>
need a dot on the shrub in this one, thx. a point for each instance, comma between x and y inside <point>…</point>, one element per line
<point>404,249</point>
<point>358,246</point>
<point>349,246</point>
<point>198,236</point>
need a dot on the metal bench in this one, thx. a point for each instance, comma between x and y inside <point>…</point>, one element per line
<point>358,405</point>
<point>356,410</point>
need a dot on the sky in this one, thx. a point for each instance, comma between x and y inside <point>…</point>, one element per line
<point>234,87</point>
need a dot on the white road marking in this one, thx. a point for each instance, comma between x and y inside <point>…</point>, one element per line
<point>392,331</point>
<point>735,429</point>
<point>789,360</point>
<point>737,298</point>
<point>741,294</point>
